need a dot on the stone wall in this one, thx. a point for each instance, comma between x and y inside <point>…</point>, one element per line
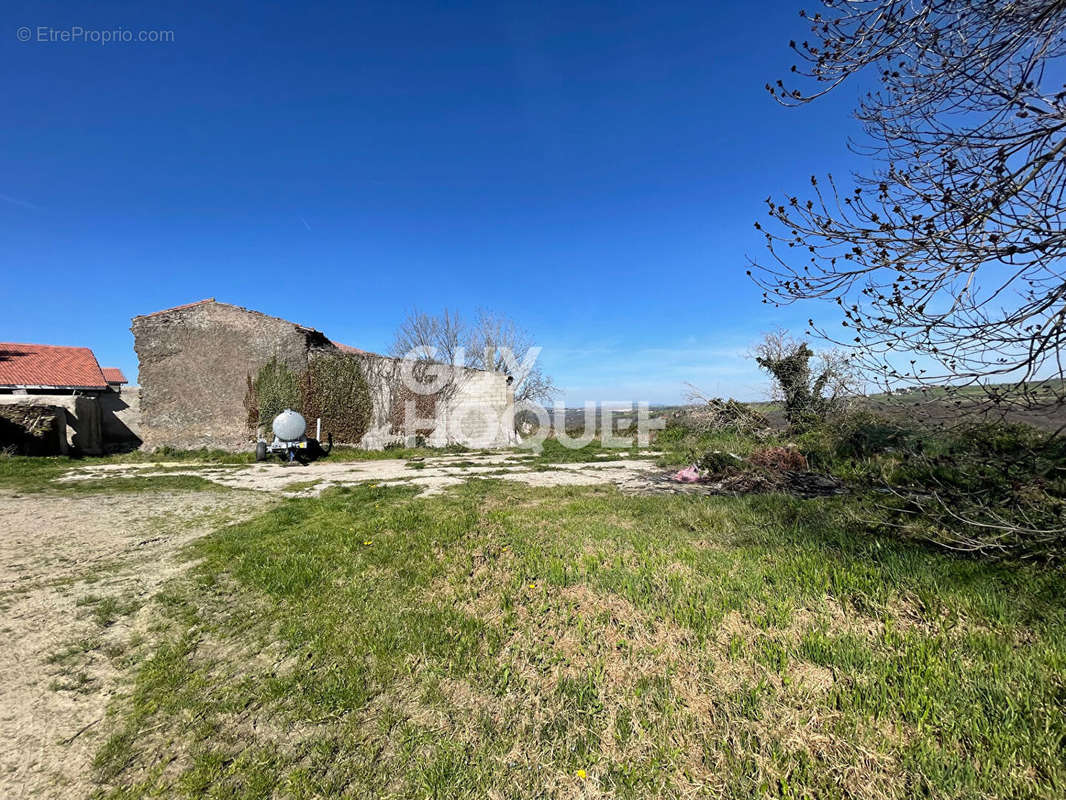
<point>82,432</point>
<point>195,362</point>
<point>194,365</point>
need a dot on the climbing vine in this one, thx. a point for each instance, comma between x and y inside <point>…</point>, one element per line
<point>416,399</point>
<point>335,388</point>
<point>275,388</point>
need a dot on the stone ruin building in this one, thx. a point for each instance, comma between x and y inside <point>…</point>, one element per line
<point>198,363</point>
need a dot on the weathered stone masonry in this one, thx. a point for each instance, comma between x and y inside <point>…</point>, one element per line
<point>195,361</point>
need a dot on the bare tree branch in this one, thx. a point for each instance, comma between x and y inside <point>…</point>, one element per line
<point>951,249</point>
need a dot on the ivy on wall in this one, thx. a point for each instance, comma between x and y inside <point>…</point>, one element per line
<point>275,388</point>
<point>251,405</point>
<point>335,388</point>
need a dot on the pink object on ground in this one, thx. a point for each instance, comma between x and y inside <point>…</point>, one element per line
<point>687,475</point>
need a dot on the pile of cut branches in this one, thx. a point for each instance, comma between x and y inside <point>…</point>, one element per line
<point>713,414</point>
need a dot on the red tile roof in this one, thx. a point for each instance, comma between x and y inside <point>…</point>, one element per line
<point>48,366</point>
<point>113,375</point>
<point>347,348</point>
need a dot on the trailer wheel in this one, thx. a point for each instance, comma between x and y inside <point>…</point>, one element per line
<point>261,451</point>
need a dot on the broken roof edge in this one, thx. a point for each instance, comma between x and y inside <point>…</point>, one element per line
<point>344,348</point>
<point>207,300</point>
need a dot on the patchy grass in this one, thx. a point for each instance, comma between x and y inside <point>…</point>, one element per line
<point>501,640</point>
<point>36,475</point>
<point>39,475</point>
<point>299,486</point>
<point>554,452</point>
<point>106,611</point>
<point>26,474</point>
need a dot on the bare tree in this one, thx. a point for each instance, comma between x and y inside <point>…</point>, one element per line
<point>809,392</point>
<point>492,342</point>
<point>498,344</point>
<point>426,336</point>
<point>430,342</point>
<point>951,249</point>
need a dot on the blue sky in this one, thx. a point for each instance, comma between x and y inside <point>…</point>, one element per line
<point>592,170</point>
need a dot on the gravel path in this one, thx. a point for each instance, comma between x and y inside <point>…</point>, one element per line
<point>432,475</point>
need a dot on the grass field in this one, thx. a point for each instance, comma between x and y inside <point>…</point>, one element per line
<point>509,641</point>
<point>502,640</point>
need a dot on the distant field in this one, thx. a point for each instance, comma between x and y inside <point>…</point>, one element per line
<point>939,407</point>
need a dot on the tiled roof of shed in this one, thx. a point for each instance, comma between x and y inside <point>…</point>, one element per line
<point>113,375</point>
<point>49,366</point>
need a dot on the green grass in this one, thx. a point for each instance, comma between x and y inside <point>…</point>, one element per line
<point>500,640</point>
<point>680,447</point>
<point>554,452</point>
<point>38,475</point>
<point>105,611</point>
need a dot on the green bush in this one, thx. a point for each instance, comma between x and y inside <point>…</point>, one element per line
<point>819,445</point>
<point>670,435</point>
<point>715,462</point>
<point>857,435</point>
<point>989,488</point>
<point>864,434</point>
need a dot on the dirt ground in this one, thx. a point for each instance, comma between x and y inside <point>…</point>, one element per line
<point>77,572</point>
<point>66,563</point>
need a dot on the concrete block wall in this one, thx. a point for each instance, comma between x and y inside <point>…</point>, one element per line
<point>480,413</point>
<point>120,418</point>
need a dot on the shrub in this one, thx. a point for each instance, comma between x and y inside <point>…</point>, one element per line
<point>854,435</point>
<point>716,462</point>
<point>863,434</point>
<point>989,488</point>
<point>670,435</point>
<point>819,446</point>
